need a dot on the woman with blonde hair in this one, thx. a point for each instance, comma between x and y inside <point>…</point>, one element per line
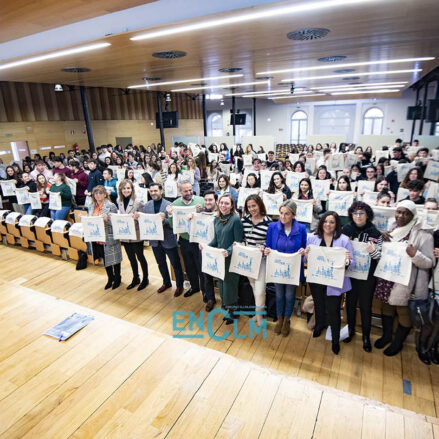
<point>110,250</point>
<point>129,204</point>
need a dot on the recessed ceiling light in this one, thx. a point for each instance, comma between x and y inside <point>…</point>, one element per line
<point>352,64</point>
<point>52,55</point>
<point>230,69</point>
<point>222,86</point>
<point>364,92</point>
<point>384,72</point>
<point>251,16</point>
<point>75,69</point>
<point>264,78</point>
<point>169,54</point>
<point>308,34</point>
<point>182,81</point>
<point>334,58</point>
<point>372,87</point>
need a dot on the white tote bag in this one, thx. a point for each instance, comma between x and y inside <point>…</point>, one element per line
<point>94,228</point>
<point>384,217</point>
<point>72,185</point>
<point>265,178</point>
<point>171,189</point>
<point>244,192</point>
<point>326,265</point>
<point>202,230</point>
<point>34,199</point>
<point>150,227</point>
<point>364,185</point>
<point>320,188</point>
<point>362,261</point>
<point>8,188</point>
<point>213,262</point>
<point>283,268</point>
<point>123,226</point>
<point>395,264</point>
<point>292,180</point>
<point>247,160</point>
<point>246,261</point>
<point>179,218</point>
<point>55,201</point>
<point>304,210</point>
<point>22,195</point>
<point>272,202</point>
<point>340,201</point>
<point>432,170</point>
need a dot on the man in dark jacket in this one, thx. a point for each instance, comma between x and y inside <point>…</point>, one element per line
<point>95,177</point>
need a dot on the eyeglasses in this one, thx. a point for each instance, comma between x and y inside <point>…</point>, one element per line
<point>359,213</point>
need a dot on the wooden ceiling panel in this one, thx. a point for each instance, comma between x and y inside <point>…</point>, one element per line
<point>20,18</point>
<point>365,32</point>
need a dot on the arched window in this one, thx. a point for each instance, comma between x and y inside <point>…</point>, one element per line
<point>215,124</point>
<point>299,127</point>
<point>373,121</point>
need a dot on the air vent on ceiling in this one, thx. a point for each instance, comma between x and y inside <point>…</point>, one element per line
<point>169,54</point>
<point>75,69</point>
<point>308,34</point>
<point>264,78</point>
<point>230,69</point>
<point>341,71</point>
<point>151,78</point>
<point>351,78</point>
<point>334,58</point>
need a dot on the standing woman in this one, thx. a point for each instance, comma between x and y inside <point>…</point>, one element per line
<point>60,186</point>
<point>192,166</point>
<point>305,193</point>
<point>14,177</point>
<point>237,154</point>
<point>110,250</point>
<point>255,223</point>
<point>128,204</point>
<point>360,228</point>
<point>224,187</point>
<point>228,229</point>
<point>327,300</point>
<point>393,296</point>
<point>286,235</point>
<point>277,184</point>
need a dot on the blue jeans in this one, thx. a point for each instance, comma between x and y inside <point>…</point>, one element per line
<point>60,214</point>
<point>27,209</point>
<point>285,298</point>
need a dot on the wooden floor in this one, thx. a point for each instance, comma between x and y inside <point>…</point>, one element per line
<point>25,272</point>
<point>119,380</point>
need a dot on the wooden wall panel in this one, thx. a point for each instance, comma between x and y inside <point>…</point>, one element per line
<point>29,102</point>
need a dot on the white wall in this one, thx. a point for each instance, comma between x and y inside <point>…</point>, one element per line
<point>274,119</point>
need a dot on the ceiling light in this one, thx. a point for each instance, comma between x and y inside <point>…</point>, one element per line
<point>182,81</point>
<point>328,90</point>
<point>295,97</point>
<point>251,16</point>
<point>281,91</point>
<point>58,87</point>
<point>352,64</point>
<point>213,97</point>
<point>222,86</point>
<point>222,103</point>
<point>168,97</point>
<point>384,72</point>
<point>58,54</point>
<point>362,85</point>
<point>364,92</point>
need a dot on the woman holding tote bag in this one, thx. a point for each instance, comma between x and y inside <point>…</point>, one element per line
<point>129,204</point>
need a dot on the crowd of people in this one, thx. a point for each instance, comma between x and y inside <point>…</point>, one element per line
<point>214,178</point>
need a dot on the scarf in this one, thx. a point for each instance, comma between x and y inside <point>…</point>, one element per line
<point>401,232</point>
<point>224,219</point>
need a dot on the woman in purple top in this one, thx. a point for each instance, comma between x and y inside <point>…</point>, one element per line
<point>286,235</point>
<point>327,300</point>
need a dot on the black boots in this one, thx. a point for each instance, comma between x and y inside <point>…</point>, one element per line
<point>134,282</point>
<point>387,322</point>
<point>367,347</point>
<point>110,277</point>
<point>143,284</point>
<point>351,336</point>
<point>400,335</point>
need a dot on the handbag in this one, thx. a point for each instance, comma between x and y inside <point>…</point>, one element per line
<point>421,310</point>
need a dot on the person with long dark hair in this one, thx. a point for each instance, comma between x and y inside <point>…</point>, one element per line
<point>327,299</point>
<point>360,228</point>
<point>278,185</point>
